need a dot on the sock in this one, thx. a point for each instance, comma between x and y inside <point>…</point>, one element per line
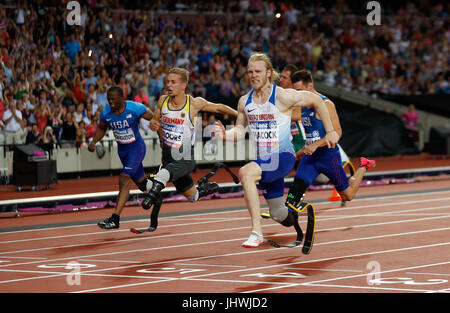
<point>194,197</point>
<point>163,176</point>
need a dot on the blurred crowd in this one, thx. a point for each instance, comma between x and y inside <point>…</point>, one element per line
<point>54,76</point>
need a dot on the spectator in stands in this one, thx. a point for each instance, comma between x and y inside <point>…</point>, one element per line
<point>49,137</point>
<point>91,128</point>
<point>41,115</point>
<point>411,122</point>
<point>33,135</point>
<point>203,59</point>
<point>91,79</point>
<point>12,119</point>
<point>78,89</point>
<point>142,97</point>
<point>79,113</point>
<point>81,134</point>
<point>72,47</point>
<point>396,58</point>
<point>55,121</point>
<point>69,131</point>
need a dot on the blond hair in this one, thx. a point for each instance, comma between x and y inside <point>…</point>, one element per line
<point>263,57</point>
<point>184,74</point>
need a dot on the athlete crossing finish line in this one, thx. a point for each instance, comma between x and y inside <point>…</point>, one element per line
<point>202,182</point>
<point>174,121</point>
<point>267,110</point>
<point>122,116</point>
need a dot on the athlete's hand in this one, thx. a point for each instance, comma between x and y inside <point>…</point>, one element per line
<point>154,125</point>
<point>332,139</point>
<point>299,153</point>
<point>310,149</point>
<point>219,130</point>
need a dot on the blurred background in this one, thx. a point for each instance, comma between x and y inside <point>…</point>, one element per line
<point>390,82</point>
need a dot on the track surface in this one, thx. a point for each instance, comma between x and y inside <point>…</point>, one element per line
<point>392,238</point>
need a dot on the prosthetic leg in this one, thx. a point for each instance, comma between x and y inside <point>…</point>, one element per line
<point>155,199</point>
<point>295,205</point>
<point>206,188</point>
<point>153,216</point>
<point>292,220</point>
<point>153,220</point>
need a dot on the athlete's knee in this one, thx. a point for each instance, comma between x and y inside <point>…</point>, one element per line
<point>277,209</point>
<point>280,213</point>
<point>249,173</point>
<point>346,196</point>
<point>124,179</point>
<point>243,173</point>
<point>192,194</point>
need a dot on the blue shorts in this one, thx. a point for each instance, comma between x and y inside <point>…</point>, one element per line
<point>323,161</point>
<point>131,156</point>
<point>274,170</point>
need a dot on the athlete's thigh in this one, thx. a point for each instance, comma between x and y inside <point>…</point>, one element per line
<point>131,158</point>
<point>307,170</point>
<point>274,189</point>
<point>183,184</point>
<point>277,166</point>
<point>331,166</point>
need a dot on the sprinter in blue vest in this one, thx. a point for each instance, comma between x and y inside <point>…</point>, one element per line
<point>122,116</point>
<point>317,156</point>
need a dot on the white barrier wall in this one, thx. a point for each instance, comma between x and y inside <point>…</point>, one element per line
<point>73,160</point>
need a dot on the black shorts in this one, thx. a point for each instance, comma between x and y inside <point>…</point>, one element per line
<point>179,170</point>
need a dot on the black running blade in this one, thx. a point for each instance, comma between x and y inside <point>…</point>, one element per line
<point>144,230</point>
<point>291,245</point>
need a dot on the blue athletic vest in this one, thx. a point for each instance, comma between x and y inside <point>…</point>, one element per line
<point>314,129</point>
<point>125,126</point>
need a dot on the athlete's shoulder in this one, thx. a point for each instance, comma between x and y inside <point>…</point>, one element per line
<point>286,95</point>
<point>106,110</point>
<point>135,107</point>
<point>196,100</point>
<point>245,99</point>
<point>324,98</point>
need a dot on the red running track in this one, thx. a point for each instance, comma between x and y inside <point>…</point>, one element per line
<point>391,238</point>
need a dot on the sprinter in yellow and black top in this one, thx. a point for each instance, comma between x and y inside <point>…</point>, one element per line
<point>174,119</point>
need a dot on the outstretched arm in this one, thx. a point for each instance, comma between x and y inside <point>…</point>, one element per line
<point>148,115</point>
<point>204,105</point>
<point>236,133</point>
<point>294,98</point>
<point>336,125</point>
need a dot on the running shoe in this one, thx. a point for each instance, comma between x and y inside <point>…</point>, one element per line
<point>367,163</point>
<point>108,223</point>
<point>254,240</point>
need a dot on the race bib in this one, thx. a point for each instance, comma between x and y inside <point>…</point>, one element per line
<point>124,136</point>
<point>172,135</point>
<point>312,137</point>
<point>265,133</point>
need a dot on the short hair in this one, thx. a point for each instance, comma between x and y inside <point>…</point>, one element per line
<point>304,76</point>
<point>116,89</point>
<point>291,68</point>
<point>263,57</point>
<point>184,74</point>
